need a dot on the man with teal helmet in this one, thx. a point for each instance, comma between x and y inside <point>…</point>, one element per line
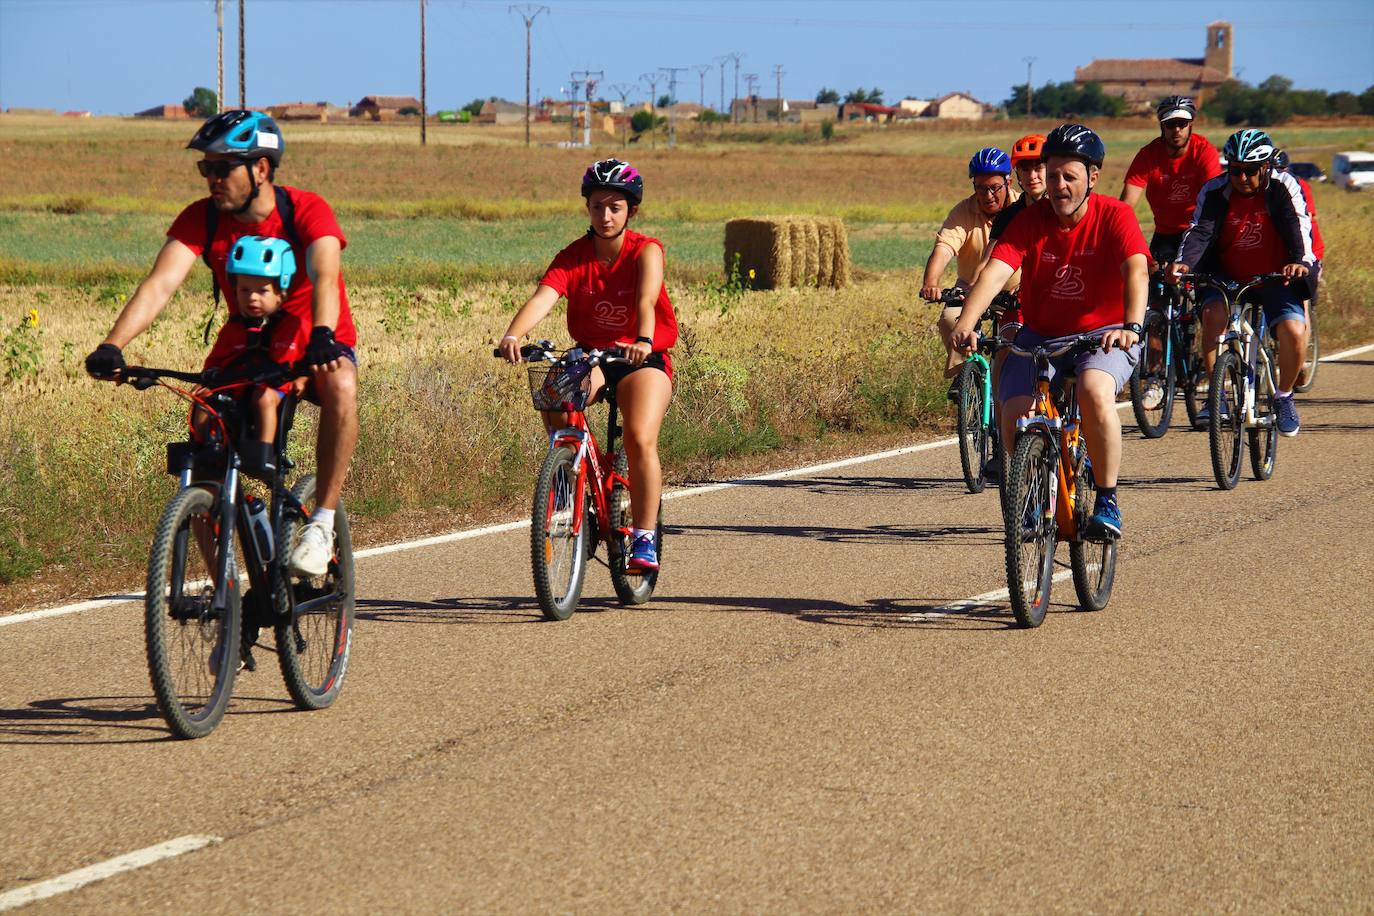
<point>241,152</point>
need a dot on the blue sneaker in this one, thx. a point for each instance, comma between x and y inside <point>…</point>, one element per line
<point>1287,416</point>
<point>643,554</point>
<point>1105,523</point>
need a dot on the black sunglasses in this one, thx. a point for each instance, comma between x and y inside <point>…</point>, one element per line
<point>1249,171</point>
<point>220,168</point>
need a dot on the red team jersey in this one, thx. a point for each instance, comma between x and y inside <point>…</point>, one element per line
<point>1247,242</point>
<point>1071,278</point>
<point>602,303</point>
<point>1172,185</point>
<point>314,220</point>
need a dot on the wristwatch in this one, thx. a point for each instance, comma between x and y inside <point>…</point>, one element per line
<point>1133,327</point>
<point>644,340</point>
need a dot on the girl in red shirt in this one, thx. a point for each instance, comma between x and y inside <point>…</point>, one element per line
<point>613,280</point>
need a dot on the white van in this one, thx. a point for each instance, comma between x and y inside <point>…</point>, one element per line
<point>1352,171</point>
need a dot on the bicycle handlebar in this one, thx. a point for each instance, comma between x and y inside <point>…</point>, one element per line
<point>144,377</point>
<point>1079,343</point>
<point>545,351</point>
<point>956,295</point>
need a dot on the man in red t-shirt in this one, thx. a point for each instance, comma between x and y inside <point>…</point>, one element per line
<point>1084,270</point>
<point>1169,171</point>
<point>242,150</point>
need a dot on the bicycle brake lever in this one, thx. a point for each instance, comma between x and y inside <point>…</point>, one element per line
<point>143,383</point>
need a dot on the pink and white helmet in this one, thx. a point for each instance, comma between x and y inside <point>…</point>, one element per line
<point>613,175</point>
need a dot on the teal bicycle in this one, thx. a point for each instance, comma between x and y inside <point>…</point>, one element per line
<point>980,447</point>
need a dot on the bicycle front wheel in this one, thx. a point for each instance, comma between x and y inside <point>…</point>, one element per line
<point>630,588</point>
<point>558,557</point>
<point>314,627</point>
<point>1152,382</point>
<point>973,433</point>
<point>1225,404</point>
<point>1307,376</point>
<point>1030,527</point>
<point>193,650</point>
<point>1264,435</point>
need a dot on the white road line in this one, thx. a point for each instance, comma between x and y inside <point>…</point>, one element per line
<point>524,523</point>
<point>955,607</point>
<point>102,870</point>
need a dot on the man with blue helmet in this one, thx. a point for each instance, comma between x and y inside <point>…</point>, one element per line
<point>241,151</point>
<point>964,236</point>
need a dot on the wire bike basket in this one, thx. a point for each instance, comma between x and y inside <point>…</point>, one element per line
<point>560,387</point>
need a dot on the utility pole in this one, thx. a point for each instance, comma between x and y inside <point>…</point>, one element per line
<point>652,79</point>
<point>574,88</point>
<point>623,90</point>
<point>1029,91</point>
<point>753,80</point>
<point>588,81</point>
<point>672,102</point>
<point>778,72</point>
<point>702,70</point>
<point>243,91</point>
<point>529,13</point>
<point>424,109</point>
<point>219,39</point>
<point>735,56</point>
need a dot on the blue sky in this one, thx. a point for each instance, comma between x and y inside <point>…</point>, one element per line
<point>119,56</point>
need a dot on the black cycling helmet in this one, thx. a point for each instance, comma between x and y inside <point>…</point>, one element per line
<point>614,175</point>
<point>1176,106</point>
<point>1074,141</point>
<point>1280,160</point>
<point>250,135</point>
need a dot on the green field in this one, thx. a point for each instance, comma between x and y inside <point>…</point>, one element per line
<point>445,242</point>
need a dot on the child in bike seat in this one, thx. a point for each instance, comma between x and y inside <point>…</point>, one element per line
<point>260,270</point>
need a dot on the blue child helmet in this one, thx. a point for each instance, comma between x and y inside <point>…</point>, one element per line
<point>247,134</point>
<point>260,256</point>
<point>989,161</point>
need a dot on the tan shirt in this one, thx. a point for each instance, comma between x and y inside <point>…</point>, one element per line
<point>965,232</point>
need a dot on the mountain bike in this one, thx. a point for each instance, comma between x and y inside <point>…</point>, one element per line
<point>201,625</point>
<point>1244,384</point>
<point>582,493</point>
<point>1049,494</point>
<point>1170,361</point>
<point>979,439</point>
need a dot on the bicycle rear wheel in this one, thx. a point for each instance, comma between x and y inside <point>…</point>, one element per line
<point>973,434</point>
<point>1152,382</point>
<point>193,650</point>
<point>314,626</point>
<point>1264,435</point>
<point>1030,527</point>
<point>558,556</point>
<point>1093,562</point>
<point>1225,401</point>
<point>1307,376</point>
<point>629,587</point>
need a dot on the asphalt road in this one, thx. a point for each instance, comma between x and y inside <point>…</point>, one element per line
<point>808,717</point>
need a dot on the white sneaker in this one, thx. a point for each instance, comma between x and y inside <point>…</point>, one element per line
<point>313,550</point>
<point>1153,396</point>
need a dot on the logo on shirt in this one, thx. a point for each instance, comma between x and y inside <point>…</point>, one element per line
<point>1251,235</point>
<point>610,314</point>
<point>1178,194</point>
<point>1068,282</point>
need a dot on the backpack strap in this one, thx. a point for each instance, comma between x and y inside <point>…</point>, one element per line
<point>287,209</point>
<point>211,225</point>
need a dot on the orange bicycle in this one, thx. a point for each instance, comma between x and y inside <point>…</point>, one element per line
<point>1050,493</point>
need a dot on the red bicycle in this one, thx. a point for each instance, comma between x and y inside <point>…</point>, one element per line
<point>582,495</point>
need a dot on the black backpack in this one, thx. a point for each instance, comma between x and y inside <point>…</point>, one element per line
<point>285,207</point>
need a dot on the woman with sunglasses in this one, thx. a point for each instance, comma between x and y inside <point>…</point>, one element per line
<point>241,153</point>
<point>1253,220</point>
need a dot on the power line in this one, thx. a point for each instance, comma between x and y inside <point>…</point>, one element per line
<point>529,13</point>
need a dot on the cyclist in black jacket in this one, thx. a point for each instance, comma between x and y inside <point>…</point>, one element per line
<point>1253,220</point>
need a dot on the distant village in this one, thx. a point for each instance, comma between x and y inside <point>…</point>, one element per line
<point>1137,81</point>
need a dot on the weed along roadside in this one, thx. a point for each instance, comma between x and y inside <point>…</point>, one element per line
<point>448,436</point>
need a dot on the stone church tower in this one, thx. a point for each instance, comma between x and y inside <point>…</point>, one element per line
<point>1218,53</point>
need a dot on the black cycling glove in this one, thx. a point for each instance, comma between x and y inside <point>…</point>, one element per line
<point>105,361</point>
<point>323,348</point>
